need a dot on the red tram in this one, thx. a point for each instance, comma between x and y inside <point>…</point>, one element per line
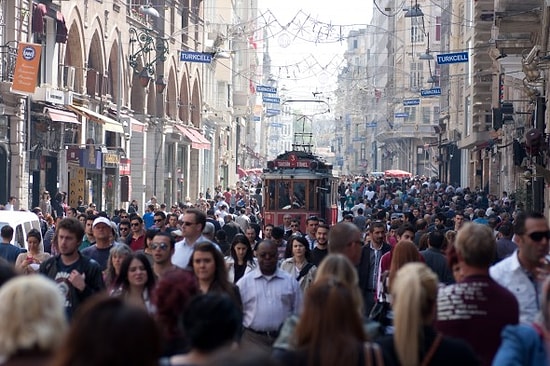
<point>302,185</point>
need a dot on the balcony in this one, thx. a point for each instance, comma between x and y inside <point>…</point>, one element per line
<point>516,25</point>
<point>408,131</point>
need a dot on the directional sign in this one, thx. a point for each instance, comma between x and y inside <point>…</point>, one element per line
<point>401,115</point>
<point>452,58</point>
<point>274,100</point>
<point>415,101</point>
<point>370,124</point>
<point>266,89</point>
<point>430,92</point>
<point>272,112</point>
<point>204,58</point>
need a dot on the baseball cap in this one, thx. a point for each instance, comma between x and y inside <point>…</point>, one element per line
<point>102,220</point>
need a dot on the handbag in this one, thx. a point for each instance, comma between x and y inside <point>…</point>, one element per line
<point>370,350</point>
<point>379,313</point>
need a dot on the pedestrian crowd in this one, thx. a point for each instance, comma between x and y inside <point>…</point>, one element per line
<point>415,273</point>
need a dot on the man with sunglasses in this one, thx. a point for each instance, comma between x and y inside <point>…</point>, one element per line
<point>162,247</point>
<point>523,272</point>
<point>192,226</point>
<point>136,240</point>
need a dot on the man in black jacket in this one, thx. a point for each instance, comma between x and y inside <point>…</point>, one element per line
<point>77,276</point>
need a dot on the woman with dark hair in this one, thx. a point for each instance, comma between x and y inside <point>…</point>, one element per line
<point>209,268</point>
<point>299,265</point>
<point>29,262</point>
<point>323,340</point>
<point>136,281</point>
<point>173,292</point>
<point>109,331</point>
<point>241,258</point>
<point>212,322</point>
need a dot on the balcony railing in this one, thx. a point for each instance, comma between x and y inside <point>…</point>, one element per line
<point>8,56</point>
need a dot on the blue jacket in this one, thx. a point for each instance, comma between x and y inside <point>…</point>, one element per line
<point>521,345</point>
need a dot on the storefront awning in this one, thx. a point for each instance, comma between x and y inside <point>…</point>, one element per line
<point>42,10</point>
<point>59,115</point>
<point>198,141</point>
<point>109,124</point>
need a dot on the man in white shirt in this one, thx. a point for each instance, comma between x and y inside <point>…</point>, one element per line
<point>524,271</point>
<point>192,226</point>
<point>269,296</point>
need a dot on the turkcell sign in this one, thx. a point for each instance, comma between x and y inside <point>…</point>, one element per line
<point>430,92</point>
<point>452,58</point>
<point>204,58</point>
<point>411,101</point>
<point>274,100</point>
<point>401,115</point>
<point>266,89</point>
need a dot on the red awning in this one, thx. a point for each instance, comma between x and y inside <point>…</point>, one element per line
<point>38,14</point>
<point>61,116</point>
<point>61,29</point>
<point>198,141</point>
<point>242,173</point>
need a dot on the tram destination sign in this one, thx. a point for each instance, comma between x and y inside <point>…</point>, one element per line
<point>266,89</point>
<point>452,58</point>
<point>291,164</point>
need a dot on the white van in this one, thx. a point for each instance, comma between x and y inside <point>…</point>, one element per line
<point>22,222</point>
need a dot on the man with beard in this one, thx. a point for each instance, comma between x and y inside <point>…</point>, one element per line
<point>320,250</point>
<point>78,276</point>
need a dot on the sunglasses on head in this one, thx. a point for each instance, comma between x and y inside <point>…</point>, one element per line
<point>539,235</point>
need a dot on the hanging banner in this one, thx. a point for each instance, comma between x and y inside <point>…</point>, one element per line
<point>26,68</point>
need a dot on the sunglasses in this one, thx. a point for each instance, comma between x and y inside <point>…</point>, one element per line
<point>124,228</point>
<point>187,223</point>
<point>158,220</point>
<point>123,217</point>
<point>539,235</point>
<point>161,246</point>
<point>135,224</point>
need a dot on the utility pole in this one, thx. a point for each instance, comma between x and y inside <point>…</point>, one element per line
<point>538,182</point>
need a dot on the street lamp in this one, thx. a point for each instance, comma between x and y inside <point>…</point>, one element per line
<point>142,43</point>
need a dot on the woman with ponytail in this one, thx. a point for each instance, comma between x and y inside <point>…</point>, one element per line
<point>414,341</point>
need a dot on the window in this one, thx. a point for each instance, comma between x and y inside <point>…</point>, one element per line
<point>436,113</point>
<point>363,152</point>
<point>355,44</point>
<point>467,116</point>
<point>415,78</point>
<point>438,28</point>
<point>426,114</point>
<point>417,31</point>
<point>412,114</point>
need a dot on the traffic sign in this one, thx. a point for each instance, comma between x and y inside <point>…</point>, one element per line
<point>370,124</point>
<point>452,58</point>
<point>415,101</point>
<point>274,100</point>
<point>272,112</point>
<point>430,92</point>
<point>266,89</point>
<point>401,115</point>
<point>204,58</point>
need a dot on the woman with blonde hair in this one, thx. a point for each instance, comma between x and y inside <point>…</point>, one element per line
<point>414,341</point>
<point>32,320</point>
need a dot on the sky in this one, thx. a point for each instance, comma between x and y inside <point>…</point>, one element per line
<point>311,64</point>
